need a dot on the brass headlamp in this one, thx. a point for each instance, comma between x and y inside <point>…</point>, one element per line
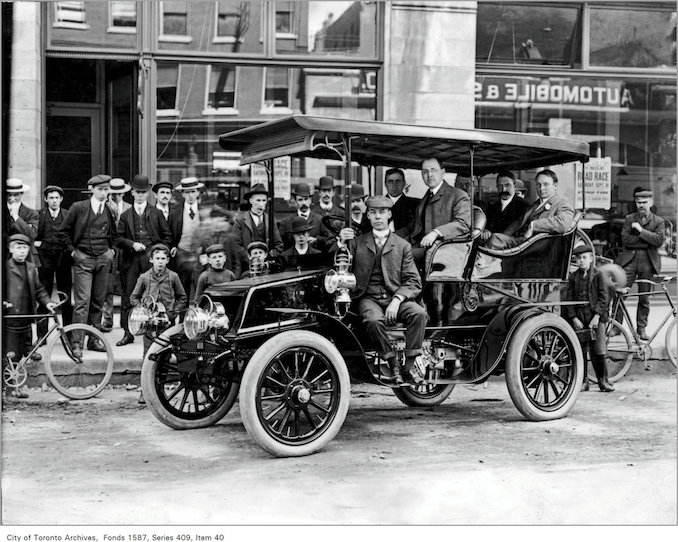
<point>150,315</point>
<point>340,281</point>
<point>204,316</point>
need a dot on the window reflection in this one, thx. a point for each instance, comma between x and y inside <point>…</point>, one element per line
<point>222,87</point>
<point>124,15</point>
<point>174,18</point>
<point>277,90</point>
<point>70,14</point>
<point>168,77</point>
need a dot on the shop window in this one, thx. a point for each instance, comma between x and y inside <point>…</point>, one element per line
<point>221,93</point>
<point>632,38</point>
<point>123,17</point>
<point>70,15</point>
<point>174,17</point>
<point>276,91</point>
<point>232,21</point>
<point>528,34</point>
<point>167,86</point>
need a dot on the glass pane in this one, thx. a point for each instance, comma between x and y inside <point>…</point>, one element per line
<point>124,14</point>
<point>326,28</point>
<point>167,85</point>
<point>174,18</point>
<point>222,87</point>
<point>92,25</point>
<point>277,89</point>
<point>528,34</point>
<point>66,83</point>
<point>633,38</point>
<point>70,12</point>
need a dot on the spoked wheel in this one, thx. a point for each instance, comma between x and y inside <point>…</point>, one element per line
<point>544,365</point>
<point>671,342</point>
<point>620,352</point>
<point>425,395</point>
<point>15,373</point>
<point>184,400</point>
<point>78,377</point>
<point>295,394</point>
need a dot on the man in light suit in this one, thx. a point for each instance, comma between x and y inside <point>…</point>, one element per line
<point>551,213</point>
<point>387,284</point>
<point>444,213</point>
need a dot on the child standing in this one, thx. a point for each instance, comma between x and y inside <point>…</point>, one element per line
<point>22,290</point>
<point>588,284</point>
<point>256,253</point>
<point>215,274</point>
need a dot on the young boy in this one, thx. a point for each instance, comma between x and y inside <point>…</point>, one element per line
<point>22,290</point>
<point>256,250</point>
<point>587,284</point>
<point>215,274</point>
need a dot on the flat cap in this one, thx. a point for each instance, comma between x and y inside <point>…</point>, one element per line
<point>643,194</point>
<point>53,188</point>
<point>99,179</point>
<point>162,184</point>
<point>217,247</point>
<point>379,202</point>
<point>160,246</point>
<point>20,238</point>
<point>581,249</point>
<point>257,244</point>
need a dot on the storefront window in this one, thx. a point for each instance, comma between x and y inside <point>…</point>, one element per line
<point>639,38</point>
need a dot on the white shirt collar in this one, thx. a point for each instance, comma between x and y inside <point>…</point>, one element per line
<point>301,252</point>
<point>95,204</point>
<point>140,208</point>
<point>435,190</point>
<point>257,218</point>
<point>305,215</point>
<point>395,199</point>
<point>505,203</point>
<point>163,208</point>
<point>54,214</point>
<point>383,233</point>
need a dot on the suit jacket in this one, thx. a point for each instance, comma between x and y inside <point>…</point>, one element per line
<point>243,231</point>
<point>498,220</point>
<point>114,209</point>
<point>592,289</point>
<point>651,238</point>
<point>158,231</point>
<point>555,216</point>
<point>176,223</point>
<point>397,266</point>
<point>403,211</point>
<point>318,230</point>
<point>45,222</point>
<point>448,211</point>
<point>73,227</point>
<point>13,286</point>
<point>27,224</point>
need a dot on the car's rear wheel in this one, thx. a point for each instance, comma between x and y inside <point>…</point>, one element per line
<point>544,365</point>
<point>425,395</point>
<point>295,394</point>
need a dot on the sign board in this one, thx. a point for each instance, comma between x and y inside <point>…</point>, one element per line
<point>282,169</point>
<point>598,183</point>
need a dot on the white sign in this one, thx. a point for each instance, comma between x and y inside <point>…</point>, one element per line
<point>598,183</point>
<point>282,169</point>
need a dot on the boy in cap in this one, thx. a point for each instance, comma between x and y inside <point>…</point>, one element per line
<point>217,228</point>
<point>216,274</point>
<point>54,261</point>
<point>22,289</point>
<point>588,285</point>
<point>316,232</point>
<point>257,252</point>
<point>387,284</point>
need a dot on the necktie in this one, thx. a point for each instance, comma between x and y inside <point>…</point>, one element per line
<point>191,213</point>
<point>381,241</point>
<point>101,209</point>
<point>428,197</point>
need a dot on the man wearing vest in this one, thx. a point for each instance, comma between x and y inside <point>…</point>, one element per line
<point>387,284</point>
<point>140,228</point>
<point>89,234</point>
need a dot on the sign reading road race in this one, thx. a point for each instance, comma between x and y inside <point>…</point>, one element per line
<point>282,176</point>
<point>598,178</point>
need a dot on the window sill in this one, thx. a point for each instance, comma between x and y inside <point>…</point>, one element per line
<point>224,111</point>
<point>227,39</point>
<point>276,111</point>
<point>285,36</point>
<point>167,113</point>
<point>169,38</point>
<point>121,29</point>
<point>72,26</point>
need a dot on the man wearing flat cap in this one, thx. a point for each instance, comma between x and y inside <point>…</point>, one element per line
<point>642,235</point>
<point>326,198</point>
<point>316,231</point>
<point>387,284</point>
<point>140,227</point>
<point>89,233</point>
<point>17,217</point>
<point>54,259</point>
<point>253,226</point>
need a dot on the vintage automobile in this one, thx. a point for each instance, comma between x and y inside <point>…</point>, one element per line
<point>288,345</point>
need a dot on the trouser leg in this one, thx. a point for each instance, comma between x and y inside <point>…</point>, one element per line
<point>375,324</point>
<point>64,282</point>
<point>99,285</point>
<point>83,272</point>
<point>645,271</point>
<point>415,318</point>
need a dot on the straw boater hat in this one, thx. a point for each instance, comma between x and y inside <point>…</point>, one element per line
<point>117,185</point>
<point>256,189</point>
<point>15,186</point>
<point>162,184</point>
<point>53,188</point>
<point>189,183</point>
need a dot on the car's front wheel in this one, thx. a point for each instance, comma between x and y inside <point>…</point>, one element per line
<point>295,393</point>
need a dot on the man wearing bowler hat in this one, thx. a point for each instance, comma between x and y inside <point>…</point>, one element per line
<point>387,284</point>
<point>642,235</point>
<point>326,205</point>
<point>297,254</point>
<point>253,226</point>
<point>163,196</point>
<point>17,217</point>
<point>54,260</point>
<point>184,222</point>
<point>140,228</point>
<point>316,231</point>
<point>89,233</point>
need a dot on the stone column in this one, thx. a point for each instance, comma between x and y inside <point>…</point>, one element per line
<point>25,115</point>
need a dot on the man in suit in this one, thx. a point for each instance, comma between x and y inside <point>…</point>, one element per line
<point>403,207</point>
<point>302,200</point>
<point>326,205</point>
<point>642,235</point>
<point>140,228</point>
<point>184,223</point>
<point>510,208</point>
<point>444,213</point>
<point>19,218</point>
<point>118,189</point>
<point>89,233</point>
<point>163,196</point>
<point>54,261</point>
<point>387,284</point>
<point>551,213</point>
<point>254,226</point>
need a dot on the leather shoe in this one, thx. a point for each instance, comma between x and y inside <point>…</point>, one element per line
<point>106,329</point>
<point>642,335</point>
<point>95,345</point>
<point>585,385</point>
<point>36,356</point>
<point>605,385</point>
<point>127,339</point>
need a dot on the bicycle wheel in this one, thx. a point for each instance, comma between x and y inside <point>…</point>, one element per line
<point>78,378</point>
<point>14,373</point>
<point>620,351</point>
<point>671,342</point>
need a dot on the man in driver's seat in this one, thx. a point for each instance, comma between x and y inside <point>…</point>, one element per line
<point>387,283</point>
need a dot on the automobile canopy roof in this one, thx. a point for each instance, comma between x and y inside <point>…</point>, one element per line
<point>376,143</point>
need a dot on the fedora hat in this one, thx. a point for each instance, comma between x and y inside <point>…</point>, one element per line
<point>140,183</point>
<point>326,183</point>
<point>302,189</point>
<point>118,185</point>
<point>53,188</point>
<point>299,225</point>
<point>162,184</point>
<point>256,189</point>
<point>189,183</point>
<point>15,186</point>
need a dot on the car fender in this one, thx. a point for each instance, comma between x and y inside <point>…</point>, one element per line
<point>162,340</point>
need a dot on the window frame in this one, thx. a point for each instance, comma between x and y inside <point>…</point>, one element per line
<point>276,110</point>
<point>169,112</point>
<point>174,38</point>
<point>70,24</point>
<point>292,34</point>
<point>122,29</point>
<point>221,111</point>
<point>217,38</point>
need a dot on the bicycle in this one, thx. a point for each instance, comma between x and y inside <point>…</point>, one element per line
<point>624,345</point>
<point>72,376</point>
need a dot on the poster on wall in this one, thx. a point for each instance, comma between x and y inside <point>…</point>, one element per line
<point>282,169</point>
<point>597,175</point>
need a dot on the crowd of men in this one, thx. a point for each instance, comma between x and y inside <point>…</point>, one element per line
<point>104,244</point>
